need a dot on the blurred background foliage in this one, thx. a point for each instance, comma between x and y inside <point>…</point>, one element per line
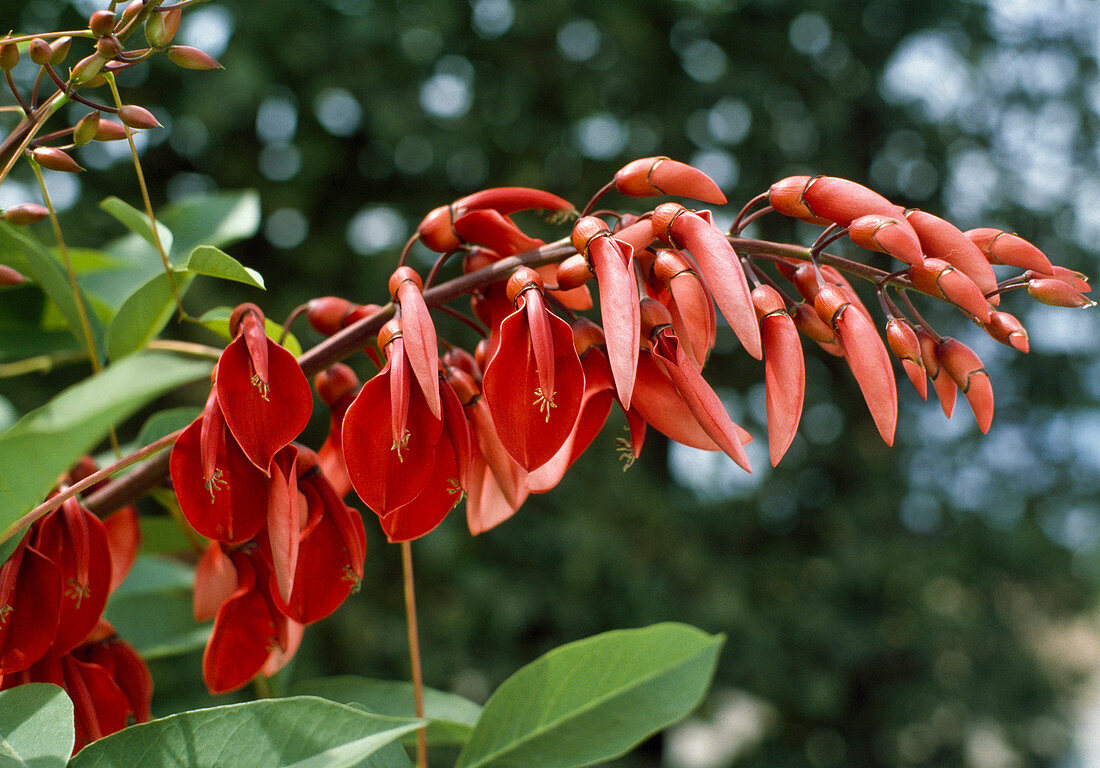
<point>931,604</point>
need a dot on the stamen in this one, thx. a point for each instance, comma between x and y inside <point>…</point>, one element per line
<point>5,610</point>
<point>261,385</point>
<point>544,402</point>
<point>216,483</point>
<point>402,443</point>
<point>352,578</point>
<point>77,592</point>
<point>626,452</point>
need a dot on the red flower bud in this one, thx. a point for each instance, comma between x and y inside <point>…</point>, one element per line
<point>192,58</point>
<point>101,23</point>
<point>137,117</point>
<point>25,213</point>
<point>85,70</point>
<point>9,56</point>
<point>40,51</point>
<point>108,47</point>
<point>161,26</point>
<point>54,159</point>
<point>1052,291</point>
<point>9,277</point>
<point>109,130</point>
<point>573,272</point>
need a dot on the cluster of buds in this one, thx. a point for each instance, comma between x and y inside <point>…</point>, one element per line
<point>108,32</point>
<point>509,418</point>
<point>53,590</point>
<point>284,550</point>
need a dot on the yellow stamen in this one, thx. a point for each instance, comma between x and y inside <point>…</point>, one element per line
<point>77,592</point>
<point>215,483</point>
<point>402,443</point>
<point>544,402</point>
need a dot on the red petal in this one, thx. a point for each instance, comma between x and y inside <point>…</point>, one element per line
<point>508,475</point>
<point>421,348</point>
<point>942,240</point>
<point>286,512</point>
<point>263,415</point>
<point>124,540</point>
<point>533,423</point>
<point>215,581</point>
<point>721,268</point>
<point>496,232</point>
<point>784,381</point>
<point>614,265</point>
<point>75,540</point>
<point>870,364</point>
<point>244,634</point>
<point>30,602</point>
<point>651,176</point>
<point>387,473</point>
<point>426,511</point>
<point>232,507</point>
<point>662,407</point>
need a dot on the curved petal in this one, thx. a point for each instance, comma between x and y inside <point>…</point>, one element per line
<point>613,262</point>
<point>30,604</point>
<point>784,381</point>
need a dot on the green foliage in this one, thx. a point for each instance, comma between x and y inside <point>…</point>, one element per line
<point>594,699</point>
<point>47,441</point>
<point>302,732</point>
<point>450,718</point>
<point>36,727</point>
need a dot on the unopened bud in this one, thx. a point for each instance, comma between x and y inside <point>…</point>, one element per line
<point>109,130</point>
<point>1051,290</point>
<point>59,49</point>
<point>54,159</point>
<point>9,277</point>
<point>1007,329</point>
<point>9,56</point>
<point>101,23</point>
<point>655,316</point>
<point>161,27</point>
<point>573,272</point>
<point>108,47</point>
<point>25,213</point>
<point>132,10</point>
<point>192,58</point>
<point>86,128</point>
<point>523,279</point>
<point>85,70</point>
<point>137,117</point>
<point>40,51</point>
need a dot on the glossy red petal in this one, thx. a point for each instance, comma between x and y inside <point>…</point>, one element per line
<point>100,707</point>
<point>532,422</point>
<point>784,381</point>
<point>231,505</point>
<point>128,671</point>
<point>940,239</point>
<point>613,262</point>
<point>662,407</point>
<point>244,634</point>
<point>841,201</point>
<point>888,235</point>
<point>945,388</point>
<point>263,415</point>
<point>286,513</point>
<point>75,540</point>
<point>651,176</point>
<point>508,475</point>
<point>124,540</point>
<point>421,515</point>
<point>215,581</point>
<point>30,605</point>
<point>1006,248</point>
<point>421,347</point>
<point>387,473</point>
<point>496,232</point>
<point>965,368</point>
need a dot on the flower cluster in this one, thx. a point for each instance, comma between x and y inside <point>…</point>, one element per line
<point>284,550</point>
<point>510,418</point>
<point>53,590</point>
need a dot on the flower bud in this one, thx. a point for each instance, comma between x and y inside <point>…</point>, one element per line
<point>334,382</point>
<point>132,10</point>
<point>161,27</point>
<point>85,70</point>
<point>403,275</point>
<point>85,129</point>
<point>59,49</point>
<point>655,316</point>
<point>573,272</point>
<point>1007,329</point>
<point>137,117</point>
<point>523,279</point>
<point>25,213</point>
<point>109,130</point>
<point>101,23</point>
<point>54,159</point>
<point>40,51</point>
<point>108,47</point>
<point>9,56</point>
<point>1052,291</point>
<point>192,58</point>
<point>9,277</point>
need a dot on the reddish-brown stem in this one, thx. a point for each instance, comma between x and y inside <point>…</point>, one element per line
<point>15,92</point>
<point>738,226</point>
<point>919,317</point>
<point>463,319</point>
<point>414,651</point>
<point>596,197</point>
<point>408,247</point>
<point>72,94</point>
<point>298,310</point>
<point>434,273</point>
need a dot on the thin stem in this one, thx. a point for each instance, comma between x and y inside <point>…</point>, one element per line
<point>186,348</point>
<point>39,363</point>
<point>85,325</point>
<point>919,317</point>
<point>56,501</point>
<point>22,135</point>
<point>596,197</point>
<point>148,203</point>
<point>72,94</point>
<point>744,223</point>
<point>15,92</point>
<point>434,273</point>
<point>737,225</point>
<point>298,310</point>
<point>408,247</point>
<point>414,651</point>
<point>463,319</point>
<point>46,36</point>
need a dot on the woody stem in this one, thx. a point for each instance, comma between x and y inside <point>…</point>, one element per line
<point>414,652</point>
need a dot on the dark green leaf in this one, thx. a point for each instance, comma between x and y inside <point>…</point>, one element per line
<point>36,727</point>
<point>450,717</point>
<point>208,260</point>
<point>42,268</point>
<point>46,442</point>
<point>594,699</point>
<point>220,220</point>
<point>137,222</point>
<point>301,732</point>
<point>163,423</point>
<point>144,314</point>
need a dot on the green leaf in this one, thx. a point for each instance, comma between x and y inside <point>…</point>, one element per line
<point>85,260</point>
<point>301,732</point>
<point>163,423</point>
<point>220,220</point>
<point>208,260</point>
<point>36,727</point>
<point>153,575</point>
<point>152,608</point>
<point>217,320</point>
<point>595,699</point>
<point>137,222</point>
<point>144,314</point>
<point>51,277</point>
<point>46,442</point>
<point>450,717</point>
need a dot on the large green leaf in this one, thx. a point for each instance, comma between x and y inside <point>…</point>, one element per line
<point>450,717</point>
<point>137,222</point>
<point>47,441</point>
<point>219,219</point>
<point>208,260</point>
<point>36,727</point>
<point>144,314</point>
<point>301,732</point>
<point>51,277</point>
<point>594,699</point>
